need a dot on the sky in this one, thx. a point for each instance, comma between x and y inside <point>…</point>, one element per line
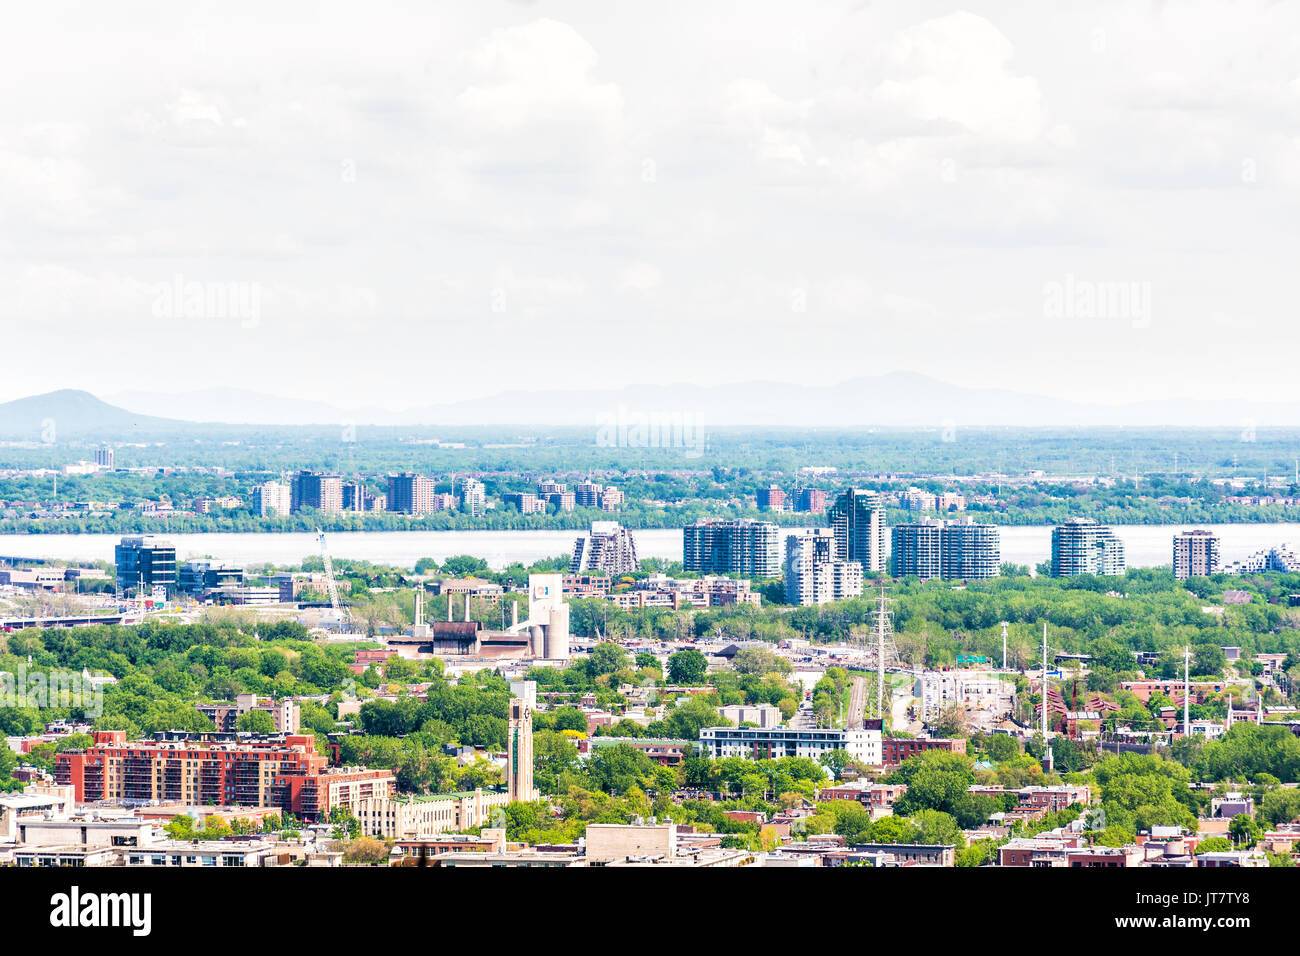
<point>382,205</point>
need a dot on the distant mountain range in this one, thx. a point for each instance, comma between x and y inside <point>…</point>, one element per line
<point>69,413</point>
<point>896,400</point>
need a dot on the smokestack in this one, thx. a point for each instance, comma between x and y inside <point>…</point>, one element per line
<point>448,607</point>
<point>466,607</point>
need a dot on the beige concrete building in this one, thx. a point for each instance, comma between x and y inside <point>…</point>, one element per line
<point>609,842</point>
<point>408,818</point>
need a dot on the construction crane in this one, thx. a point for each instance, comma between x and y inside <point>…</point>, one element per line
<point>340,613</point>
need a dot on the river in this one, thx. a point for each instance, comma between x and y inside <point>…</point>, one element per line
<point>1145,545</point>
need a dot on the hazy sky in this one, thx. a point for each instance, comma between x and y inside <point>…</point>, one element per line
<point>419,206</point>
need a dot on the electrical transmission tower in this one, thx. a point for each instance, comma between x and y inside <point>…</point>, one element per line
<point>881,652</point>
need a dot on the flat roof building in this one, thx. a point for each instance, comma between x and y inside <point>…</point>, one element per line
<point>145,562</point>
<point>745,547</point>
<point>284,772</point>
<point>858,520</point>
<point>1196,554</point>
<point>763,743</point>
<point>410,494</point>
<point>1084,546</point>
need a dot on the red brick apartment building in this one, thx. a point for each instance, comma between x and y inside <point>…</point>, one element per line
<point>1173,689</point>
<point>873,796</point>
<point>284,772</point>
<point>897,749</point>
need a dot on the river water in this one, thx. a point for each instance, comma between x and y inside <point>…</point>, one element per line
<point>1145,545</point>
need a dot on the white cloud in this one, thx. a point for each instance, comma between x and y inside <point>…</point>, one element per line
<point>903,174</point>
<point>641,277</point>
<point>538,75</point>
<point>957,69</point>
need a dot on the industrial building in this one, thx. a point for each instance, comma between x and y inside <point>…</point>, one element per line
<point>544,635</point>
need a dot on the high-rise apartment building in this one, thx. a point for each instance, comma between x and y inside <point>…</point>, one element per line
<point>746,547</point>
<point>917,549</point>
<point>858,520</point>
<point>145,562</point>
<point>954,550</point>
<point>561,500</point>
<point>811,499</point>
<point>321,492</point>
<point>1084,546</point>
<point>812,573</point>
<point>587,494</point>
<point>771,498</point>
<point>358,497</point>
<point>609,548</point>
<point>527,502</point>
<point>970,551</point>
<point>473,497</point>
<point>1196,554</point>
<point>411,494</point>
<point>272,499</point>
